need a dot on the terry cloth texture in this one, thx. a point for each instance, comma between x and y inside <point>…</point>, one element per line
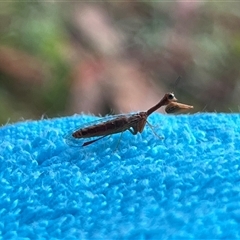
<point>183,184</point>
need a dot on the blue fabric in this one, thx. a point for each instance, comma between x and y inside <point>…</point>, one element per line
<point>183,185</point>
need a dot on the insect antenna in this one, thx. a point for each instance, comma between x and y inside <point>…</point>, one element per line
<point>176,82</point>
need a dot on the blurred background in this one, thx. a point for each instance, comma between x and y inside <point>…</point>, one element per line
<point>61,58</point>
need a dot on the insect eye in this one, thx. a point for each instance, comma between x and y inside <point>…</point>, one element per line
<point>171,96</point>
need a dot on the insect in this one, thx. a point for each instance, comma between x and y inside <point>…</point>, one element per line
<point>134,123</point>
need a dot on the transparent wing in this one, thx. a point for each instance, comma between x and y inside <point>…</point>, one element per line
<point>72,141</point>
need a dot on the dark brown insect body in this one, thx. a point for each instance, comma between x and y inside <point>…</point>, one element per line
<point>119,124</point>
<point>134,123</point>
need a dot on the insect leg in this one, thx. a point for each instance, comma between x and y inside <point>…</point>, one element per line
<point>161,138</point>
<point>90,142</point>
<point>133,131</point>
<point>118,142</point>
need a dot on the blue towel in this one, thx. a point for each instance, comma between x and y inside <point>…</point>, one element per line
<point>183,184</point>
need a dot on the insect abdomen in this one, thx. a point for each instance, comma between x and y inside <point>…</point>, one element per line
<point>106,128</point>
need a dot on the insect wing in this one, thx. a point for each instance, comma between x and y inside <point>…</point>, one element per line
<point>72,141</point>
